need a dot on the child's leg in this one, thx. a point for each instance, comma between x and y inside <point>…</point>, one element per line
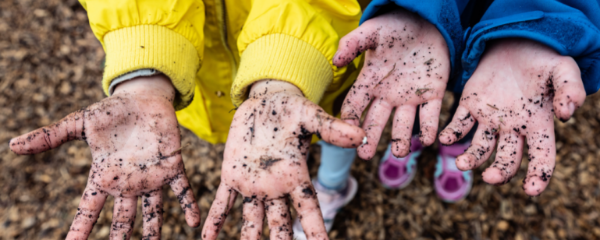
<point>335,165</point>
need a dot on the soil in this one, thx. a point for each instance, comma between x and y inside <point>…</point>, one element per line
<point>51,65</point>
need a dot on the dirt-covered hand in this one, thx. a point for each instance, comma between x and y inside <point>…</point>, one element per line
<point>407,65</point>
<point>265,161</point>
<point>135,143</point>
<point>513,93</point>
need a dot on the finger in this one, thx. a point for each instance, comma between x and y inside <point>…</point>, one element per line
<point>305,201</point>
<point>123,218</point>
<point>89,208</point>
<point>508,158</point>
<point>152,213</point>
<point>542,155</point>
<point>375,121</point>
<point>218,211</point>
<point>461,124</point>
<point>429,117</point>
<point>331,129</point>
<point>404,119</point>
<point>43,139</point>
<point>279,218</point>
<point>254,213</point>
<point>569,91</point>
<point>354,43</point>
<point>185,195</point>
<point>357,100</point>
<point>480,150</point>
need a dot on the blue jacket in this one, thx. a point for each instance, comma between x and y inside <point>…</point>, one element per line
<point>570,27</point>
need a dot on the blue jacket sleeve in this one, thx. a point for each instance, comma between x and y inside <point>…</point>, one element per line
<point>570,27</point>
<point>444,14</point>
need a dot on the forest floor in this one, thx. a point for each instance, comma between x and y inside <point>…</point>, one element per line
<point>51,65</point>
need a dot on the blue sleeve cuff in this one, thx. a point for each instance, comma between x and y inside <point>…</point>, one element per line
<point>568,33</point>
<point>443,14</point>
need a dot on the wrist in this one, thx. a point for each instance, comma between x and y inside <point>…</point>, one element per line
<point>157,85</point>
<point>267,86</point>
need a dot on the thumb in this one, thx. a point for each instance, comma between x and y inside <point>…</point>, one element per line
<point>331,129</point>
<point>569,91</point>
<point>51,136</point>
<point>352,45</point>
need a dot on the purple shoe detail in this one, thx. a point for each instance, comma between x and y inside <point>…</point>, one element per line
<point>451,184</point>
<point>397,173</point>
<point>454,150</point>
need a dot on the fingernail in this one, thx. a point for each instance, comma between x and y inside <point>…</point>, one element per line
<point>571,108</point>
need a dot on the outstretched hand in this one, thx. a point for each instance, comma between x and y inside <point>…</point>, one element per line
<point>135,143</point>
<point>513,93</point>
<point>407,65</point>
<point>265,162</point>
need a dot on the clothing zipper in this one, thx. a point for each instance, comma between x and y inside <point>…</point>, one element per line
<point>222,21</point>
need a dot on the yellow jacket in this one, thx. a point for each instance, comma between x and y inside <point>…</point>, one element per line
<point>213,50</point>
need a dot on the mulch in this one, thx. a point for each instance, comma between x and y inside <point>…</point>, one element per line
<point>51,65</point>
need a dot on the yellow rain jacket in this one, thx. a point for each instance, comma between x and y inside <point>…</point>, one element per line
<point>213,50</point>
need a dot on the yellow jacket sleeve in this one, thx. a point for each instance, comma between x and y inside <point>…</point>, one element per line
<point>293,41</point>
<point>158,34</point>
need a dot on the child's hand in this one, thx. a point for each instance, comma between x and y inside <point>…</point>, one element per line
<point>515,89</point>
<point>134,139</point>
<point>265,161</point>
<point>407,65</point>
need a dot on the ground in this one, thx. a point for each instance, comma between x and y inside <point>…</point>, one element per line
<point>51,65</point>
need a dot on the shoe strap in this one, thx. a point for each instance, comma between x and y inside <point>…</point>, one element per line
<point>454,150</point>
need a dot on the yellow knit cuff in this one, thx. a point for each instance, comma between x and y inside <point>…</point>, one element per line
<point>286,58</point>
<point>155,47</point>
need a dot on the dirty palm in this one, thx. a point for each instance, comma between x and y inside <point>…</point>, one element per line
<point>265,162</point>
<point>514,94</point>
<point>135,151</point>
<point>406,67</point>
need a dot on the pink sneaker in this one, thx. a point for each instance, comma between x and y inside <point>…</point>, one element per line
<point>397,173</point>
<point>451,184</point>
